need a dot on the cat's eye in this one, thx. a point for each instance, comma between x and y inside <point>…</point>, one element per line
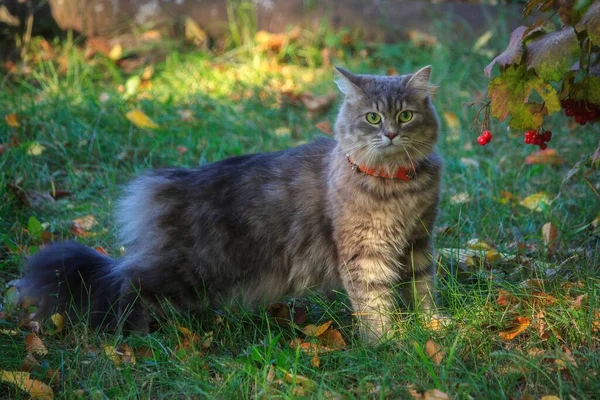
<point>405,116</point>
<point>373,118</point>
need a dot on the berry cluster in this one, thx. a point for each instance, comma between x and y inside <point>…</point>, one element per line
<point>581,111</point>
<point>538,139</point>
<point>484,138</point>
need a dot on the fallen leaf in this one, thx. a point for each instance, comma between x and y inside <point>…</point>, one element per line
<point>12,120</point>
<point>325,127</point>
<point>279,312</point>
<point>434,351</point>
<point>317,104</point>
<point>34,345</point>
<point>144,352</point>
<point>477,244</point>
<point>493,256</point>
<point>80,227</point>
<point>193,32</point>
<point>518,326</point>
<point>59,321</point>
<point>10,332</point>
<point>506,298</point>
<point>182,150</point>
<point>185,115</point>
<point>141,120</point>
<point>300,380</point>
<point>123,354</point>
<point>116,52</point>
<point>29,364</point>
<point>333,339</point>
<point>460,198</point>
<point>314,331</point>
<point>548,156</point>
<point>537,201</point>
<point>36,389</point>
<point>421,39</point>
<point>35,149</point>
<point>576,302</point>
<point>433,394</point>
<point>551,397</point>
<point>550,234</point>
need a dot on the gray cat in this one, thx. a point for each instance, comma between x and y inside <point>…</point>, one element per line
<point>357,212</point>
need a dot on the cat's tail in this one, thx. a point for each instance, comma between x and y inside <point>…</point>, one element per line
<point>74,279</point>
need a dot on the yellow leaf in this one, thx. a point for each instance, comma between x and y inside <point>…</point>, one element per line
<point>116,52</point>
<point>22,380</point>
<point>519,325</point>
<point>35,149</point>
<point>300,380</point>
<point>493,256</point>
<point>313,330</point>
<point>477,244</point>
<point>10,332</point>
<point>537,201</point>
<point>141,120</point>
<point>333,339</point>
<point>59,321</point>
<point>34,345</point>
<point>12,120</point>
<point>120,355</point>
<point>550,398</point>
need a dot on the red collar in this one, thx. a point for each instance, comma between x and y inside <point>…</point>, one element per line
<point>406,174</point>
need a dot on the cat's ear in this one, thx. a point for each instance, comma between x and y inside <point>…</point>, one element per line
<point>348,83</point>
<point>419,82</point>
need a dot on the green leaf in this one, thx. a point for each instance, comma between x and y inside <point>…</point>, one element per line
<point>35,227</point>
<point>590,23</point>
<point>551,55</point>
<point>588,90</point>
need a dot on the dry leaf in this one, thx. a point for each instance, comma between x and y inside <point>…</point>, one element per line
<point>313,330</point>
<point>519,325</point>
<point>141,120</point>
<point>325,127</point>
<point>182,150</point>
<point>476,244</point>
<point>29,364</point>
<point>317,104</point>
<point>36,389</point>
<point>80,227</point>
<point>421,39</point>
<point>116,52</point>
<point>59,321</point>
<point>433,394</point>
<point>506,298</point>
<point>460,198</point>
<point>333,339</point>
<point>10,332</point>
<point>300,380</point>
<point>120,355</point>
<point>434,351</point>
<point>12,120</point>
<point>34,345</point>
<point>550,234</point>
<point>551,397</point>
<point>576,302</point>
<point>548,156</point>
<point>537,201</point>
<point>493,256</point>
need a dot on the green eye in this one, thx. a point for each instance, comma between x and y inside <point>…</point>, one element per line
<point>373,118</point>
<point>405,116</point>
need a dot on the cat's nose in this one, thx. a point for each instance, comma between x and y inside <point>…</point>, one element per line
<point>391,135</point>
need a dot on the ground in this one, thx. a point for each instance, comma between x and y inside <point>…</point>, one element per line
<point>524,310</point>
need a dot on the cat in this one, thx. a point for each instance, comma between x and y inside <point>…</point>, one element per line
<point>356,211</point>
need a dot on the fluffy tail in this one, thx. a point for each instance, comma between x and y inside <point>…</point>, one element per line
<point>74,279</point>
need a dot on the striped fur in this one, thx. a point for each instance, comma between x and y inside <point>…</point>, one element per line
<point>255,228</point>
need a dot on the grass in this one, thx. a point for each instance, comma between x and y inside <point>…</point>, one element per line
<point>221,105</point>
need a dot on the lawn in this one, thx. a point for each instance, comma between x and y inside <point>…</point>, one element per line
<point>526,313</point>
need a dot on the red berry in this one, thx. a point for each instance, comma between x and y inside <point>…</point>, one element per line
<point>487,135</point>
<point>547,136</point>
<point>481,140</point>
<point>527,140</point>
<point>543,146</point>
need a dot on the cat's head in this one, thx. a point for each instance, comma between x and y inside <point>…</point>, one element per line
<point>387,120</point>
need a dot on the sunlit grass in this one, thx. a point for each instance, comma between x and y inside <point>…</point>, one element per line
<point>217,106</point>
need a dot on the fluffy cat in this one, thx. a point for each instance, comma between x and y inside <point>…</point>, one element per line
<point>357,212</point>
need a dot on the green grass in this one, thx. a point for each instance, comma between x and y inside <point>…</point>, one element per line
<point>91,149</point>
